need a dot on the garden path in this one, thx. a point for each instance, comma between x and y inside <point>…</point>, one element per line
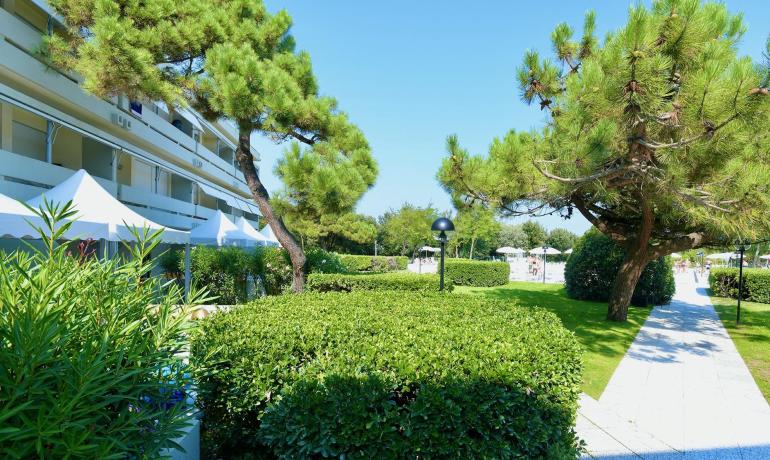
<point>682,391</point>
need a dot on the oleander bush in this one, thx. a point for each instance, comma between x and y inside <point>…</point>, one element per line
<point>357,263</point>
<point>594,263</point>
<point>465,272</point>
<point>224,272</point>
<point>330,282</point>
<point>89,352</point>
<point>756,283</point>
<point>386,375</point>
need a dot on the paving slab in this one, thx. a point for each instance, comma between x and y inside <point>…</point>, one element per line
<point>682,391</point>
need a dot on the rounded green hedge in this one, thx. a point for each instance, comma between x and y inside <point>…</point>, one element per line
<point>332,282</point>
<point>756,283</point>
<point>465,272</point>
<point>357,263</point>
<point>595,260</point>
<point>387,375</point>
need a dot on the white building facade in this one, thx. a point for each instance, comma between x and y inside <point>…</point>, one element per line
<point>169,165</point>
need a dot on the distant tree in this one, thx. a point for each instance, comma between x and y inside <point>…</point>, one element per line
<point>512,236</point>
<point>536,234</point>
<point>472,225</point>
<point>407,229</point>
<point>657,136</point>
<point>561,239</point>
<point>228,59</point>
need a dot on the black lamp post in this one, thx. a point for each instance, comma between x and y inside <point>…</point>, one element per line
<point>442,225</point>
<point>740,250</point>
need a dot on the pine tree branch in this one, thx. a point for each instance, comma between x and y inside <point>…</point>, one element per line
<point>709,131</point>
<point>607,173</point>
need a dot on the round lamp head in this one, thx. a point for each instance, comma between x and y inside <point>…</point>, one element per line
<point>442,224</point>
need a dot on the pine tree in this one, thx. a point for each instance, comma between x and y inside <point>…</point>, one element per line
<point>658,137</point>
<point>228,59</point>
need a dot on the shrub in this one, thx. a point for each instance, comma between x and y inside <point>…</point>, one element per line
<point>477,273</point>
<point>355,263</point>
<point>756,283</point>
<point>387,375</point>
<point>89,355</point>
<point>322,261</point>
<point>222,271</point>
<point>322,282</point>
<point>596,259</point>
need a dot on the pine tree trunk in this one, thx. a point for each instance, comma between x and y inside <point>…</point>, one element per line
<point>625,282</point>
<point>262,198</point>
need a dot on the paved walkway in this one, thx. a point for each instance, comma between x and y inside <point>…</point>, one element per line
<point>681,392</point>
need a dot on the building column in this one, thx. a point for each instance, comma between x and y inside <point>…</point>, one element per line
<point>6,126</point>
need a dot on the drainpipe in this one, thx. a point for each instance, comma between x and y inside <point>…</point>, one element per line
<point>49,129</point>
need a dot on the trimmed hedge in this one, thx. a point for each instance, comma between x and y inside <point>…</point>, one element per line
<point>756,283</point>
<point>477,273</point>
<point>594,263</point>
<point>323,282</point>
<point>355,263</point>
<point>387,375</point>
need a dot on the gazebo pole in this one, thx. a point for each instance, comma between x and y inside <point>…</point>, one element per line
<point>186,271</point>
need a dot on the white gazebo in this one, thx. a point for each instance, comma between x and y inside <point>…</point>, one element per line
<point>218,230</point>
<point>99,215</point>
<point>244,226</point>
<point>724,256</point>
<point>509,250</point>
<point>268,233</point>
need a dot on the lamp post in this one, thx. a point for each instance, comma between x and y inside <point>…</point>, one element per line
<point>442,225</point>
<point>740,250</point>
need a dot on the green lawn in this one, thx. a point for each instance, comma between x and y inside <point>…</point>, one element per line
<point>605,342</point>
<point>751,337</point>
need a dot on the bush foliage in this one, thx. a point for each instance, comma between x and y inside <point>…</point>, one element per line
<point>224,272</point>
<point>477,273</point>
<point>756,283</point>
<point>89,354</point>
<point>356,263</point>
<point>595,260</point>
<point>324,282</point>
<point>387,375</point>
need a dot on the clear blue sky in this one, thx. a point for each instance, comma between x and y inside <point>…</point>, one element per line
<point>411,72</point>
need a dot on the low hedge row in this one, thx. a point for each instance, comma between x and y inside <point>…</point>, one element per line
<point>387,375</point>
<point>477,273</point>
<point>356,263</point>
<point>334,282</point>
<point>756,283</point>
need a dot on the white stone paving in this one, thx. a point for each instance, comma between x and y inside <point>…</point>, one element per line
<point>682,391</point>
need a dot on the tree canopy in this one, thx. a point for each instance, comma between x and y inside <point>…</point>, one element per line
<point>657,136</point>
<point>227,59</point>
<point>407,229</point>
<point>476,231</point>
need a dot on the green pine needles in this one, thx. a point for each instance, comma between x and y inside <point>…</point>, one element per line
<point>657,136</point>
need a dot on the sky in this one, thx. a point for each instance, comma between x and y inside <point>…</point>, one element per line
<point>410,73</point>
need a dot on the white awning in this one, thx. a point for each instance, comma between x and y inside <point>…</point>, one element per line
<point>244,226</point>
<point>268,233</point>
<point>429,249</point>
<point>99,214</point>
<point>221,231</point>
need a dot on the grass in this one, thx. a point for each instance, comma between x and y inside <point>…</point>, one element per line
<point>751,337</point>
<point>605,342</point>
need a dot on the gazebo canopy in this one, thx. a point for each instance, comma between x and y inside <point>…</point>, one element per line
<point>429,249</point>
<point>100,215</point>
<point>509,250</point>
<point>268,233</point>
<point>218,230</point>
<point>244,226</point>
<point>546,250</point>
